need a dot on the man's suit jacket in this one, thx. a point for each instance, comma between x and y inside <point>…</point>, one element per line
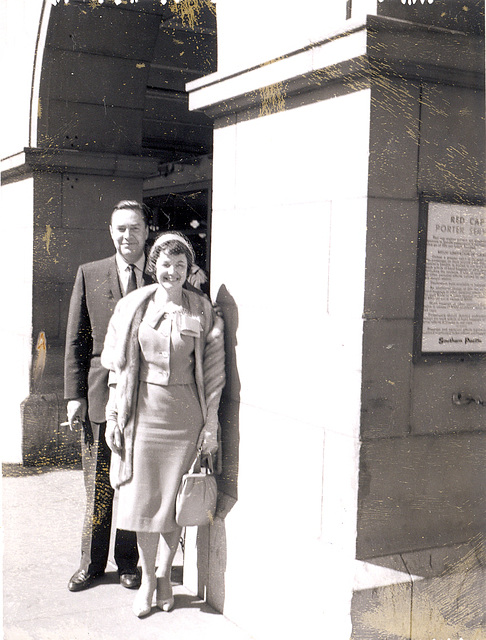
<point>95,293</point>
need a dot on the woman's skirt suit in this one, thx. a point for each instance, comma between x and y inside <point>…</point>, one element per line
<point>168,421</point>
<point>167,373</point>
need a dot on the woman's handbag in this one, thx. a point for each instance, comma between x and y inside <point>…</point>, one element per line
<point>197,495</point>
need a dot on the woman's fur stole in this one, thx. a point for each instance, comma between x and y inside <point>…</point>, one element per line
<point>121,354</point>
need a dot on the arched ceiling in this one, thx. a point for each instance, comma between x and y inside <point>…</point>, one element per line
<point>182,53</point>
<point>113,78</point>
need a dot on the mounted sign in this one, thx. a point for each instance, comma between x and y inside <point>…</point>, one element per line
<point>454,304</point>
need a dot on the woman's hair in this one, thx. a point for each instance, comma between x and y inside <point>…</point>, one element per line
<point>172,246</point>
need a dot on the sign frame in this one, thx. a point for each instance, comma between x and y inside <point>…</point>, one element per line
<point>419,353</point>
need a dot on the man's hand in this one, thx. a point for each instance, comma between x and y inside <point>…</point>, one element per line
<point>113,436</point>
<point>76,411</point>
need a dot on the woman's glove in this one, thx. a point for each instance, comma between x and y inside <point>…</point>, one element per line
<point>113,436</point>
<point>208,441</point>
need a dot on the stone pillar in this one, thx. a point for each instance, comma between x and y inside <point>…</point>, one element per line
<point>320,160</point>
<point>290,179</point>
<point>63,201</point>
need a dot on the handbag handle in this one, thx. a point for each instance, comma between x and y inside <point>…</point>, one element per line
<point>203,462</point>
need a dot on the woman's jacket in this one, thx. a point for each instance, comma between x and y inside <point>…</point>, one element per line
<point>121,355</point>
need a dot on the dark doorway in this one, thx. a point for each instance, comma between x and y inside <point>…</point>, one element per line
<point>188,212</point>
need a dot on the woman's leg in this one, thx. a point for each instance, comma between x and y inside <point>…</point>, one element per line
<point>168,548</point>
<point>147,548</point>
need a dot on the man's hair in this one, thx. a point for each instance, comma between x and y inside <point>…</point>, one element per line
<point>132,205</point>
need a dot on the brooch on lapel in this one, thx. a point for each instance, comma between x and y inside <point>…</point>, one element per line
<point>188,325</point>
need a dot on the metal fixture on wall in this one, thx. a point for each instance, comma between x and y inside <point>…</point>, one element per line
<point>460,399</point>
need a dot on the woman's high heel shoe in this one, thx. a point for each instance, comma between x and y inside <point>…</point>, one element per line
<point>142,605</point>
<point>164,603</point>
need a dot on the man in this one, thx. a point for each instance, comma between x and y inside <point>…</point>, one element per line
<point>98,287</point>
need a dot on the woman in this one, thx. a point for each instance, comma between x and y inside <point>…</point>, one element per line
<point>164,348</point>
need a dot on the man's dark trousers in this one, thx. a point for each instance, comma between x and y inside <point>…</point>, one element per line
<point>99,507</point>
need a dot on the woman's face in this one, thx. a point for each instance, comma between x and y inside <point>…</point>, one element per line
<point>171,270</point>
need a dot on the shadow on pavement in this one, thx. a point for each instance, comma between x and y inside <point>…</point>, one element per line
<point>12,470</point>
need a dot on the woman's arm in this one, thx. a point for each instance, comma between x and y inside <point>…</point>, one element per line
<point>214,381</point>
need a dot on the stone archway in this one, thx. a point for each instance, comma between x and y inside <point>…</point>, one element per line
<point>109,111</point>
<point>113,79</point>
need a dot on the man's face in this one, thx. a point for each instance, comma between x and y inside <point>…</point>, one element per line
<point>129,234</point>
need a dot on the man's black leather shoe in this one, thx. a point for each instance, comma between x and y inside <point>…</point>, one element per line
<point>82,580</point>
<point>130,580</point>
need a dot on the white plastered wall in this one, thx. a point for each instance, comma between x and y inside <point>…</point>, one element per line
<point>16,204</point>
<point>288,244</point>
<point>269,29</point>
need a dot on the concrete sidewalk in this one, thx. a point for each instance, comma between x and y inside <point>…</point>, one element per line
<point>434,593</point>
<point>42,520</point>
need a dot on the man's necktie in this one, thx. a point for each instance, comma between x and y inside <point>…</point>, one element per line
<point>132,280</point>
